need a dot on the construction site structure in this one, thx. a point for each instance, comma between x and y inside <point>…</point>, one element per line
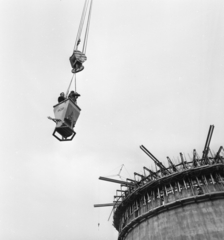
<point>183,201</point>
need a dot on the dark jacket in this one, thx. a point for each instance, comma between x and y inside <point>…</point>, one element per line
<point>61,99</point>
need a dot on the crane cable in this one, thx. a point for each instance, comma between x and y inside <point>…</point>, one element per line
<point>87,29</point>
<point>77,41</point>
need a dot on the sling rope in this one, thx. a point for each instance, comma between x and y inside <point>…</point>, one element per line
<point>75,82</point>
<point>70,85</point>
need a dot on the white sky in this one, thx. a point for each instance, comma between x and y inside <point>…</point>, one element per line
<point>154,76</point>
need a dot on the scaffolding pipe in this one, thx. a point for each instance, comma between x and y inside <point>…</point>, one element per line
<point>115,181</point>
<point>155,160</point>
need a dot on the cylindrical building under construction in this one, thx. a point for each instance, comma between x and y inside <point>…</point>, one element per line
<point>184,201</point>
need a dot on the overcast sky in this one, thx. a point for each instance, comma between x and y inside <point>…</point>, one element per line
<point>153,76</point>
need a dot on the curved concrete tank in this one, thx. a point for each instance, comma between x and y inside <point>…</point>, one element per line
<point>184,201</point>
<point>178,202</point>
<point>198,221</point>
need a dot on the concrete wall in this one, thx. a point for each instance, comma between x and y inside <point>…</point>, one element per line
<point>197,221</point>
